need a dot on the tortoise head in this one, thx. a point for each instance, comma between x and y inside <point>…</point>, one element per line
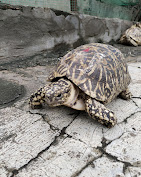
<point>57,93</point>
<point>61,92</point>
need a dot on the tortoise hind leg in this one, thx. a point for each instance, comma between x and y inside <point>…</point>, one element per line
<point>126,94</point>
<point>98,111</point>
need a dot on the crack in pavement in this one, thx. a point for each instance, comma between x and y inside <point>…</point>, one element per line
<point>135,101</point>
<point>63,132</point>
<point>85,166</point>
<point>102,150</point>
<point>54,142</point>
<point>126,164</point>
<point>125,120</point>
<point>16,171</point>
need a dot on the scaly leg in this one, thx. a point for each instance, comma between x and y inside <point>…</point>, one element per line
<point>37,99</point>
<point>98,111</point>
<point>126,94</point>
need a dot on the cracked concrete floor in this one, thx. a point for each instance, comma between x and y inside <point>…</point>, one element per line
<point>62,142</point>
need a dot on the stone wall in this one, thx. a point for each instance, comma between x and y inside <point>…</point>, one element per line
<point>25,31</point>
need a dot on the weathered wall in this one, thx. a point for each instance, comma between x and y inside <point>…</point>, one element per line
<point>60,5</point>
<point>25,31</point>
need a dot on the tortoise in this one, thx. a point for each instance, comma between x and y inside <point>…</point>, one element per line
<point>132,35</point>
<point>87,78</point>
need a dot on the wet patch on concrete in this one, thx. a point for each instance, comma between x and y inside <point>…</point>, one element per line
<point>10,92</point>
<point>42,59</point>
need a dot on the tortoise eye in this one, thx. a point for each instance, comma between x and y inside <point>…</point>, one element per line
<point>59,96</point>
<point>67,91</point>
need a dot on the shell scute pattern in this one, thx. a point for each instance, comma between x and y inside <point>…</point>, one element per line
<point>132,35</point>
<point>97,69</point>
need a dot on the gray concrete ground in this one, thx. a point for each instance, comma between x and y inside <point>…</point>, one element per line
<point>62,142</point>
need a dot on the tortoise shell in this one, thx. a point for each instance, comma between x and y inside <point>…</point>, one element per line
<point>132,35</point>
<point>99,70</point>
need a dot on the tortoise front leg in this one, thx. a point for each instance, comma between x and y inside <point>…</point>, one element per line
<point>98,111</point>
<point>37,99</point>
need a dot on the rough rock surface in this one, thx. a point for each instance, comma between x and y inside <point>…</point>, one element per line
<point>103,167</point>
<point>65,158</point>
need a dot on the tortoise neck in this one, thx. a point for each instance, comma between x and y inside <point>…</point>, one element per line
<point>73,96</point>
<point>75,100</point>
